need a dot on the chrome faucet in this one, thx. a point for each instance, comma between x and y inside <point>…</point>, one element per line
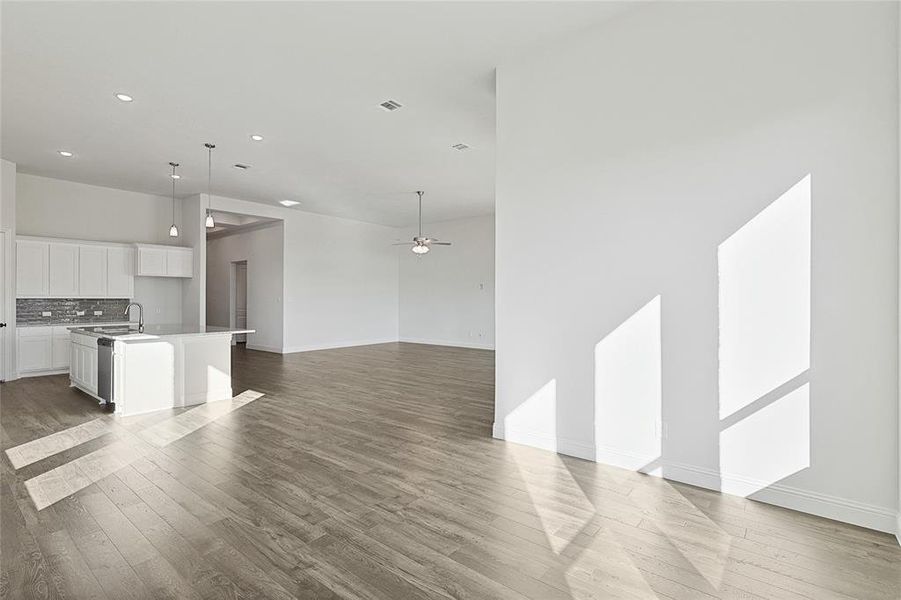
<point>140,315</point>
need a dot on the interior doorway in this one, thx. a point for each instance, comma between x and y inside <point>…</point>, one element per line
<point>238,299</point>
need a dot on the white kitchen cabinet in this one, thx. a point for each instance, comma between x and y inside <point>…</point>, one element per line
<point>83,362</point>
<point>92,272</point>
<point>60,348</point>
<point>164,261</point>
<point>120,278</point>
<point>32,273</point>
<point>63,270</point>
<point>34,348</point>
<point>151,261</point>
<point>180,262</point>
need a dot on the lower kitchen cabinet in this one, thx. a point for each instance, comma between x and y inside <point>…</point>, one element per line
<point>34,348</point>
<point>83,362</point>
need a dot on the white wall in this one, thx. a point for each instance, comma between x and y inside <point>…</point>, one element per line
<point>263,249</point>
<point>58,208</point>
<point>192,232</point>
<point>340,278</point>
<point>643,170</point>
<point>8,268</point>
<point>447,296</point>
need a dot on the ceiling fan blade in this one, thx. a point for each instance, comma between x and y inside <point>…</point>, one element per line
<point>434,243</point>
<point>401,244</point>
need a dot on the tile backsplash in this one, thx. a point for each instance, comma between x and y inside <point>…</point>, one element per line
<point>66,310</point>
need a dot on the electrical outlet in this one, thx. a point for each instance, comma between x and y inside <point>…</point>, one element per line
<point>98,313</point>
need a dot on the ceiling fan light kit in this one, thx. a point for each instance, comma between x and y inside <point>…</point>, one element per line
<point>422,244</point>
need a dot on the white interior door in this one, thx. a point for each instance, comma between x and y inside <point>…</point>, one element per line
<point>241,299</point>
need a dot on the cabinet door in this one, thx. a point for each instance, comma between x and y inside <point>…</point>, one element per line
<point>180,262</point>
<point>76,364</point>
<point>32,269</point>
<point>120,279</point>
<point>151,262</point>
<point>63,270</point>
<point>73,362</point>
<point>34,353</point>
<point>92,271</point>
<point>90,366</point>
<point>60,352</point>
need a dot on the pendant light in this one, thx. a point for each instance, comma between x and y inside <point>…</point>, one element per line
<point>173,231</point>
<point>210,223</point>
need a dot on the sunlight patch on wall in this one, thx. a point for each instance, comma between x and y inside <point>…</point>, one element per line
<point>767,446</point>
<point>534,421</point>
<point>764,345</point>
<point>764,301</point>
<point>628,390</point>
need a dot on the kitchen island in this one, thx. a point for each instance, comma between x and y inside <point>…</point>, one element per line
<point>158,367</point>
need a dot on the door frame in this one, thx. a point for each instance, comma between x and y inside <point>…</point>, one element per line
<point>232,291</point>
<point>7,305</point>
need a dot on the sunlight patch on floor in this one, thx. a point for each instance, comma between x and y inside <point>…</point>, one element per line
<point>54,485</point>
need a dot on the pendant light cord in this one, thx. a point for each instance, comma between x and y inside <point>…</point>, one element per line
<point>174,165</point>
<point>209,177</point>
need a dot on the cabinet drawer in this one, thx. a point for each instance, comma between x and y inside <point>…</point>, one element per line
<point>83,340</point>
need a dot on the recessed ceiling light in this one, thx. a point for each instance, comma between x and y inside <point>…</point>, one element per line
<point>65,153</point>
<point>390,105</point>
<point>461,146</point>
<point>288,202</point>
<point>124,97</point>
<point>256,137</point>
<point>241,166</point>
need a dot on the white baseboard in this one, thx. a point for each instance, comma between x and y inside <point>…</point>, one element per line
<point>41,373</point>
<point>543,441</point>
<point>822,505</point>
<point>898,530</point>
<point>434,342</point>
<point>334,345</point>
<point>264,348</point>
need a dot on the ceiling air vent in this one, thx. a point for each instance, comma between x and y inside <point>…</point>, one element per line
<point>242,166</point>
<point>460,147</point>
<point>390,105</point>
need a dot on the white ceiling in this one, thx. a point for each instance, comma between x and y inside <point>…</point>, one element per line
<point>307,76</point>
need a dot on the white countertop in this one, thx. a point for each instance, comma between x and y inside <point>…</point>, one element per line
<point>121,333</point>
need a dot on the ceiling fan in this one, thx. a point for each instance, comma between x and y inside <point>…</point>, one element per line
<point>421,244</point>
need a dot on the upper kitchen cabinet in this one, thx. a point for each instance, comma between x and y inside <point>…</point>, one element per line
<point>63,270</point>
<point>32,272</point>
<point>180,262</point>
<point>120,272</point>
<point>49,268</point>
<point>164,261</point>
<point>151,261</point>
<point>92,271</point>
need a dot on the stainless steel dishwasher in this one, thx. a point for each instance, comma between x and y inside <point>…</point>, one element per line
<point>105,372</point>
